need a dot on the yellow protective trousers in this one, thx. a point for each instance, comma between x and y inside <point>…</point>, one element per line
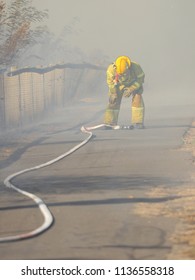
<point>137,109</point>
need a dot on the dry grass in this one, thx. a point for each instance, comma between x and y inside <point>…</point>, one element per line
<point>182,209</point>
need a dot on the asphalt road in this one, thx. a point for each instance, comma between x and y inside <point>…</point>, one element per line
<point>117,197</point>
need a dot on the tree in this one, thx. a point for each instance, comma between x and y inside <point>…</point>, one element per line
<point>18,29</point>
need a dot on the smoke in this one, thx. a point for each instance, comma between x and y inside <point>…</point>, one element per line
<point>157,34</point>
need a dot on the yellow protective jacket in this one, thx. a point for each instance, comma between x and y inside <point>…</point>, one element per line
<point>133,77</point>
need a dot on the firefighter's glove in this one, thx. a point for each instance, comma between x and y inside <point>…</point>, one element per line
<point>113,98</point>
<point>128,92</point>
<point>121,88</point>
<point>131,90</point>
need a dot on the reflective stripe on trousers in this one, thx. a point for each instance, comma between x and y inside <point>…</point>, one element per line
<point>137,114</point>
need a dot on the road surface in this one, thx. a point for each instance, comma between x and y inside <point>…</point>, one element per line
<point>123,195</point>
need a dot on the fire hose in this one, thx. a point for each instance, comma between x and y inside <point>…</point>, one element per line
<point>47,215</point>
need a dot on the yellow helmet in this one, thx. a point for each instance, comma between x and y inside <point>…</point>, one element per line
<point>122,64</point>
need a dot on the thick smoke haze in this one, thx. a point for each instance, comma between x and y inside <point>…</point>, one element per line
<point>157,34</point>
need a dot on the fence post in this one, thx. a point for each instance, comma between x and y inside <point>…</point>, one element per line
<point>2,103</point>
<point>28,94</point>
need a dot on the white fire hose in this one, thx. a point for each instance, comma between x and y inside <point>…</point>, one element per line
<point>48,218</point>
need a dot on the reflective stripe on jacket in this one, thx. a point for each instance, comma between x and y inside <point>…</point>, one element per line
<point>134,75</point>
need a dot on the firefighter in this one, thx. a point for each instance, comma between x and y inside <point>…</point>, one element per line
<point>125,78</point>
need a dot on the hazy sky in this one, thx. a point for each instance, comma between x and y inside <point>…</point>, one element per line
<point>125,25</point>
<point>157,32</point>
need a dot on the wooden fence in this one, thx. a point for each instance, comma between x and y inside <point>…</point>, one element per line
<point>26,95</point>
